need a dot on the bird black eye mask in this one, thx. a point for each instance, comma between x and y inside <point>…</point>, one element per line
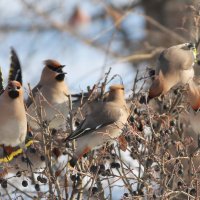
<point>56,69</point>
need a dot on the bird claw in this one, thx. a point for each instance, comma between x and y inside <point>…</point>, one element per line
<point>26,159</point>
<point>29,163</point>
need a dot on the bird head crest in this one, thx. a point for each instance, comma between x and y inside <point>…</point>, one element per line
<point>15,73</point>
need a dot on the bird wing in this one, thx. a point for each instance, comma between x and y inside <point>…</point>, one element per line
<point>102,115</point>
<point>15,72</point>
<point>1,83</point>
<point>34,91</point>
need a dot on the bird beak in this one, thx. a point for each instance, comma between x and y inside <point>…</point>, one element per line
<point>191,45</point>
<point>62,66</point>
<point>63,73</point>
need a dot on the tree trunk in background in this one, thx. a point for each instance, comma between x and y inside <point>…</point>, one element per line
<point>173,14</point>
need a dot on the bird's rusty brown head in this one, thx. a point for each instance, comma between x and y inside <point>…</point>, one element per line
<point>116,87</point>
<point>57,68</point>
<point>116,92</point>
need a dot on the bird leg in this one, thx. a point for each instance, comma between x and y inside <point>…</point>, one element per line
<point>25,156</point>
<point>7,150</point>
<point>28,162</point>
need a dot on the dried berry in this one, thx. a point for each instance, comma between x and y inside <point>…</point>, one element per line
<point>43,180</point>
<point>37,187</point>
<point>149,162</point>
<point>73,177</point>
<point>193,192</point>
<point>117,165</point>
<point>180,172</point>
<point>101,168</point>
<point>108,173</point>
<point>179,184</point>
<point>112,165</point>
<point>24,183</point>
<point>42,158</point>
<point>173,123</point>
<point>4,184</point>
<point>93,169</point>
<point>32,150</point>
<point>94,190</point>
<point>39,178</point>
<point>126,194</point>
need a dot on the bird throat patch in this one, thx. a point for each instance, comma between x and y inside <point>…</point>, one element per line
<point>13,94</point>
<point>60,77</point>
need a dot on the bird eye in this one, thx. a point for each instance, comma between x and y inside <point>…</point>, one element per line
<point>59,70</point>
<point>18,87</point>
<point>191,46</point>
<point>51,67</point>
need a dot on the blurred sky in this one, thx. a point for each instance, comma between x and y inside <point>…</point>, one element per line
<point>84,63</point>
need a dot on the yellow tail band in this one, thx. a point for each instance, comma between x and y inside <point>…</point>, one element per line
<point>15,153</point>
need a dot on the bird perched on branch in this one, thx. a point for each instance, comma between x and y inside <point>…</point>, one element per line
<point>48,101</point>
<point>104,121</point>
<point>175,65</point>
<point>13,121</point>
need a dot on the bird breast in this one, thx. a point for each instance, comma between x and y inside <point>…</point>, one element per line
<point>186,75</point>
<point>13,122</point>
<point>13,132</point>
<point>53,105</point>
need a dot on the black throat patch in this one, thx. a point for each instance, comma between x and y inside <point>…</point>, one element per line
<point>13,94</point>
<point>60,77</point>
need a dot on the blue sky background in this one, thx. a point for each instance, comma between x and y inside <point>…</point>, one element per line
<point>84,63</point>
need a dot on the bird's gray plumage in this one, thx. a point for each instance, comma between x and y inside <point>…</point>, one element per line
<point>175,66</point>
<point>102,114</point>
<point>104,122</point>
<point>50,98</point>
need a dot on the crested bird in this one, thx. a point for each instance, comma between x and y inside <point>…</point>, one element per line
<point>103,122</point>
<point>13,121</point>
<point>48,99</point>
<point>175,66</point>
